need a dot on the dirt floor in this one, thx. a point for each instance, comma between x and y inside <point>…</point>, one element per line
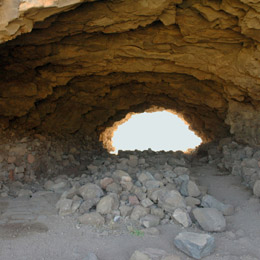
<point>30,228</point>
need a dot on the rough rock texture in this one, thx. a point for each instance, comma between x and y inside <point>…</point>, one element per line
<point>87,68</point>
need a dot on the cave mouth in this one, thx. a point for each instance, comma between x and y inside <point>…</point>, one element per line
<point>155,129</point>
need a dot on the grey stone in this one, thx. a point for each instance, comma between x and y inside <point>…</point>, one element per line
<point>210,219</point>
<point>88,204</point>
<point>90,191</point>
<point>93,218</point>
<point>192,202</point>
<point>64,206</point>
<point>157,212</point>
<point>256,188</point>
<point>139,212</point>
<point>24,193</point>
<point>107,204</point>
<point>153,184</point>
<point>194,244</point>
<point>182,178</point>
<point>146,202</point>
<point>182,217</point>
<point>209,201</point>
<point>150,221</point>
<point>145,176</point>
<point>133,161</point>
<point>125,210</point>
<point>176,162</point>
<point>169,200</point>
<point>120,175</point>
<point>114,187</point>
<point>91,256</point>
<point>193,189</point>
<point>250,163</point>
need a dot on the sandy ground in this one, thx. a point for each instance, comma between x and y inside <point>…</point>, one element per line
<point>31,230</point>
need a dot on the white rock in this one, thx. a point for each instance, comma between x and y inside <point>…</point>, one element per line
<point>182,217</point>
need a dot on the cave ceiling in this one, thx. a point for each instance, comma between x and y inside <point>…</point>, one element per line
<point>84,65</point>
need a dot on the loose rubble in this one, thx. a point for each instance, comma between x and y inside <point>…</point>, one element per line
<point>138,190</point>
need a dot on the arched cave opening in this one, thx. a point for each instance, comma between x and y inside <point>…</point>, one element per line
<point>156,129</point>
<point>71,71</point>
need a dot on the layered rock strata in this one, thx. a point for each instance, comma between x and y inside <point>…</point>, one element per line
<point>85,69</point>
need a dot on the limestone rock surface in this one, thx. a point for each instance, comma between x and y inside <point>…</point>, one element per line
<point>85,65</point>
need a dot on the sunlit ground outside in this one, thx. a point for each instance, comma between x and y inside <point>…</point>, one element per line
<point>157,131</point>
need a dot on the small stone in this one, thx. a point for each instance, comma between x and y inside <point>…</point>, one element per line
<point>90,191</point>
<point>133,200</point>
<point>256,188</point>
<point>181,170</point>
<point>193,189</point>
<point>150,221</point>
<point>114,188</point>
<point>107,204</point>
<point>93,218</point>
<point>24,193</point>
<point>105,182</point>
<point>126,185</point>
<point>139,212</point>
<point>145,176</point>
<point>60,186</point>
<point>88,204</point>
<point>195,245</point>
<point>210,219</point>
<point>91,256</point>
<point>30,158</point>
<point>210,202</point>
<point>133,161</point>
<point>146,203</point>
<point>182,217</point>
<point>48,185</point>
<point>11,159</point>
<point>93,168</point>
<point>19,169</point>
<point>192,202</point>
<point>125,210</point>
<point>64,206</point>
<point>75,205</point>
<point>153,184</point>
<point>169,200</point>
<point>157,212</point>
<point>120,175</point>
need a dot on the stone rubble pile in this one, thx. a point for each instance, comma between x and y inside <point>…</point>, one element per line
<point>25,159</point>
<point>243,161</point>
<point>142,189</point>
<point>145,188</point>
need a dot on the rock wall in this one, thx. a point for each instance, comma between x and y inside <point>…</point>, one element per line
<point>85,69</point>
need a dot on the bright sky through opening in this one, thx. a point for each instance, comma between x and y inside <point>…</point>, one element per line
<point>157,130</point>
